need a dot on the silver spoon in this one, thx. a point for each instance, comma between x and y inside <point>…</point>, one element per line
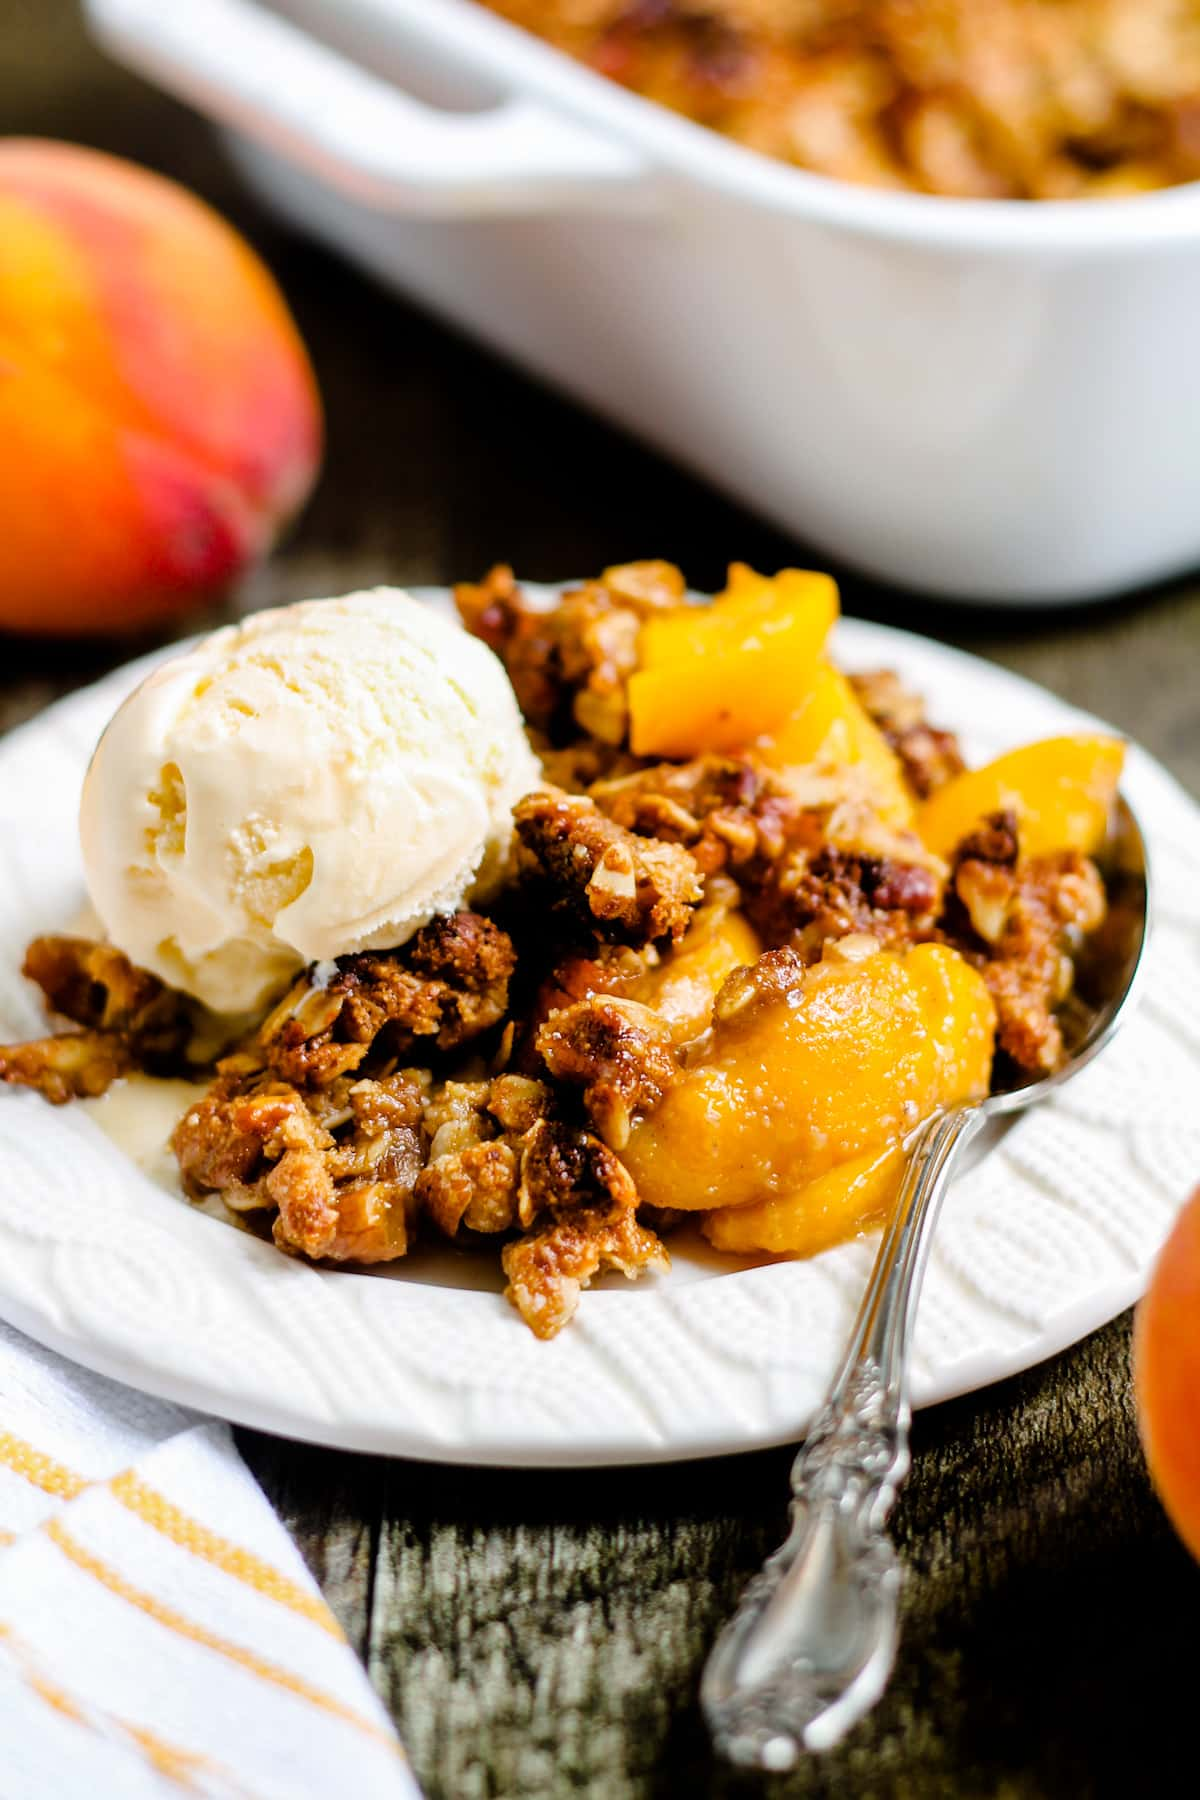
<point>811,1646</point>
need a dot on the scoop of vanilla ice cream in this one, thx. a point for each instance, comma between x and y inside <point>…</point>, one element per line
<point>318,779</point>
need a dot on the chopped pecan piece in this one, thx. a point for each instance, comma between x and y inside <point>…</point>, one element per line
<point>1029,971</point>
<point>99,988</point>
<point>619,1051</point>
<point>305,1040</point>
<point>221,1142</point>
<point>984,876</point>
<point>456,1116</point>
<point>729,811</point>
<point>517,1103</point>
<point>373,1220</point>
<point>758,984</point>
<point>996,840</point>
<point>372,1175</point>
<point>564,1168</point>
<point>130,1020</point>
<point>629,889</point>
<point>930,757</point>
<point>396,1103</point>
<point>478,1130</point>
<point>301,1186</point>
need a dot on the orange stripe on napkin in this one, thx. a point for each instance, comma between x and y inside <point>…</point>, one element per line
<point>249,1660</point>
<point>173,1523</point>
<point>52,1477</point>
<point>176,1765</point>
<point>49,1691</point>
<point>167,1759</point>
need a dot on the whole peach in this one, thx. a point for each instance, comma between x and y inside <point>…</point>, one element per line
<point>159,419</point>
<point>1166,1366</point>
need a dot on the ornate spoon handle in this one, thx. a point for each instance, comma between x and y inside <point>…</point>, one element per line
<point>811,1645</point>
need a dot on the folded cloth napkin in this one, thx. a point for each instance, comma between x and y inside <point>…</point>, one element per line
<point>159,1632</point>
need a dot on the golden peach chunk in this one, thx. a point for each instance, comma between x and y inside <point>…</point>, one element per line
<point>717,677</point>
<point>806,1073</point>
<point>1061,789</point>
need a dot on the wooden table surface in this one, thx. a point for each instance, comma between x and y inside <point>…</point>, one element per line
<point>539,1635</point>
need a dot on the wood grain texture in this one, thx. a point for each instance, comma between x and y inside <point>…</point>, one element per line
<point>540,1635</point>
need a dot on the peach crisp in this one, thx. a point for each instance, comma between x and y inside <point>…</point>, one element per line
<point>758,922</point>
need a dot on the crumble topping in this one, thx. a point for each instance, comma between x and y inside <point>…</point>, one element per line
<point>129,1019</point>
<point>1020,923</point>
<point>929,757</point>
<point>569,664</point>
<point>626,888</point>
<point>77,1065</point>
<point>446,985</point>
<point>620,1052</point>
<point>1013,99</point>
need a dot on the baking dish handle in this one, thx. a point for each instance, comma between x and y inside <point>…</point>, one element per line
<point>380,147</point>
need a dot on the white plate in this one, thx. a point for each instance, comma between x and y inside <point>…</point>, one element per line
<point>1049,1236</point>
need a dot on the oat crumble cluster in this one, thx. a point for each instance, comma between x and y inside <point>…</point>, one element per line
<point>486,1082</point>
<point>1007,99</point>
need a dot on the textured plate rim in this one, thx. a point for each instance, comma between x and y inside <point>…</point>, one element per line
<point>407,1430</point>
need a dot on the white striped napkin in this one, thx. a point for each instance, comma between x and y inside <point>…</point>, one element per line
<point>159,1632</point>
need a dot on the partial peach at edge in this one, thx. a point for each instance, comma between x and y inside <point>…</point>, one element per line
<point>159,419</point>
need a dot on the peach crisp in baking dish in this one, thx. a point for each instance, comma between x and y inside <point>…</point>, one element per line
<point>1016,99</point>
<point>754,922</point>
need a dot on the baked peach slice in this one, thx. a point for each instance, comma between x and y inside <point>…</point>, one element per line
<point>1062,790</point>
<point>811,1068</point>
<point>717,677</point>
<point>823,1212</point>
<point>832,725</point>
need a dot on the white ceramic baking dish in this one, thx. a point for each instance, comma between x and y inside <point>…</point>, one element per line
<point>979,398</point>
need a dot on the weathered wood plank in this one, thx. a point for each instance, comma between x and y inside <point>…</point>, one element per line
<point>538,1635</point>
